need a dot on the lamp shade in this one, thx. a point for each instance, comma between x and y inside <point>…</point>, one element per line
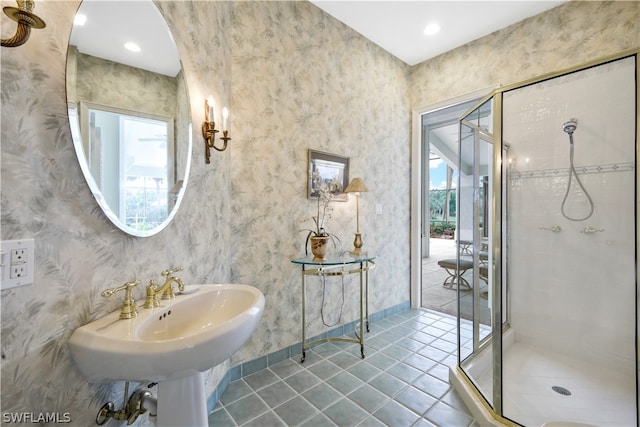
<point>356,186</point>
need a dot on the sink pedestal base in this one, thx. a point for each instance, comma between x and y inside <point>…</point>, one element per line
<point>182,402</point>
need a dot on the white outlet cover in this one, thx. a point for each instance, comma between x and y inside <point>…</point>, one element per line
<point>6,263</point>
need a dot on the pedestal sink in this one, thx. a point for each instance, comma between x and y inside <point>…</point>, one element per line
<point>171,345</point>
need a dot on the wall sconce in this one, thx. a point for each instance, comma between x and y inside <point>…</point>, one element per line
<point>357,186</point>
<point>209,129</point>
<point>25,19</point>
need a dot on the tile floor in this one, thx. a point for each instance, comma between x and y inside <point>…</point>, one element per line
<point>434,295</point>
<point>403,381</point>
<point>445,300</point>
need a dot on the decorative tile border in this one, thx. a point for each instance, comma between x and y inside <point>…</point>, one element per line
<point>255,365</point>
<point>616,167</point>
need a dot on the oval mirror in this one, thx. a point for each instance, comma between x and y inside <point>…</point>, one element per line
<point>129,112</point>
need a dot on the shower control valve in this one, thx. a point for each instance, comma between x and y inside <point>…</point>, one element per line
<point>591,230</point>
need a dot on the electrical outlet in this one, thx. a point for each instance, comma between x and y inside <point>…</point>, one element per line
<point>17,271</point>
<point>17,263</point>
<point>18,256</point>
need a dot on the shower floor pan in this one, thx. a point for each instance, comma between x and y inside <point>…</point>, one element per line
<point>584,393</point>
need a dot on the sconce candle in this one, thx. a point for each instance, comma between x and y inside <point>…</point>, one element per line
<point>209,129</point>
<point>209,112</point>
<point>225,116</point>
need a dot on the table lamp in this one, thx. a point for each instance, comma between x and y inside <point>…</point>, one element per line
<point>357,186</point>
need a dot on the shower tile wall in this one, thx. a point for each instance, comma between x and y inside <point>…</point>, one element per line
<point>574,293</point>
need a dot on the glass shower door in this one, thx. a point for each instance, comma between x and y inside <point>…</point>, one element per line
<point>561,264</point>
<point>570,354</point>
<point>475,183</point>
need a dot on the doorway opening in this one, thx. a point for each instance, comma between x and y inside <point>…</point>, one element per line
<point>440,167</point>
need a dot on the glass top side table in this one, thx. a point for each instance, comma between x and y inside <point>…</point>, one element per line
<point>340,264</point>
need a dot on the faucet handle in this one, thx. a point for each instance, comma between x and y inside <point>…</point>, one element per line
<point>128,310</point>
<point>126,287</point>
<point>170,271</point>
<point>151,300</point>
<point>591,230</point>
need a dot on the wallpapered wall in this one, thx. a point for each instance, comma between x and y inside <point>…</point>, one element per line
<point>129,87</point>
<point>300,80</point>
<point>294,79</point>
<point>563,37</point>
<point>78,252</point>
<point>303,80</point>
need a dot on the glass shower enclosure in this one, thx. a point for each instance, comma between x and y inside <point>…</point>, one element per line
<point>547,280</point>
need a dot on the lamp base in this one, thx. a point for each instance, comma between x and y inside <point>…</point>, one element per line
<point>357,243</point>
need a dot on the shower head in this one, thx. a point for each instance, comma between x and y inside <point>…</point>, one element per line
<point>570,126</point>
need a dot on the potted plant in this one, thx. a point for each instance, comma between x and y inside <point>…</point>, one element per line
<point>449,230</point>
<point>318,236</point>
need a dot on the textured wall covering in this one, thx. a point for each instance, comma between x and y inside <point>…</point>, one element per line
<point>303,80</point>
<point>116,85</point>
<point>78,252</point>
<point>294,79</point>
<point>563,37</point>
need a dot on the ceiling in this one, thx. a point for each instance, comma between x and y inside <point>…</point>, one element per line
<point>110,24</point>
<point>398,26</point>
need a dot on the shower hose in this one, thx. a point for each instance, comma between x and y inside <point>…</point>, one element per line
<point>572,171</point>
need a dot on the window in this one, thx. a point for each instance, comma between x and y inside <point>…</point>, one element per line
<point>130,157</point>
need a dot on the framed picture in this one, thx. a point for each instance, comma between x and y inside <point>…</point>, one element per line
<point>327,171</point>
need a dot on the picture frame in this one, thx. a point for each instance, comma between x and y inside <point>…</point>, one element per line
<point>331,171</point>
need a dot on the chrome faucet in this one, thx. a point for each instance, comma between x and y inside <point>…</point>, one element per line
<point>166,290</point>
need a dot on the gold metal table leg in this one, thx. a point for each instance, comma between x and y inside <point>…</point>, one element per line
<point>361,313</point>
<point>363,270</point>
<point>367,295</point>
<point>304,324</point>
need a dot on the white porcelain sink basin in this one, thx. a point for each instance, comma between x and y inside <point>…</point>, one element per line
<point>192,333</point>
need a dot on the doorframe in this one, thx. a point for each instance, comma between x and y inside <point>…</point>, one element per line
<point>416,184</point>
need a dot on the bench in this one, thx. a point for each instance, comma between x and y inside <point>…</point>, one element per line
<point>465,247</point>
<point>450,266</point>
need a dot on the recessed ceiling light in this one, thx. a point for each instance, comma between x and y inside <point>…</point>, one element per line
<point>431,29</point>
<point>80,20</point>
<point>132,47</point>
